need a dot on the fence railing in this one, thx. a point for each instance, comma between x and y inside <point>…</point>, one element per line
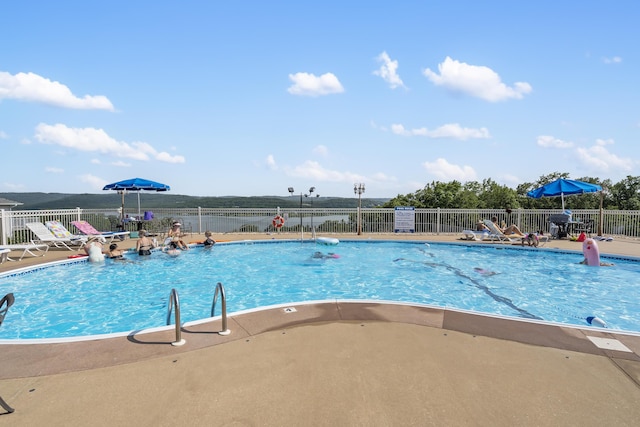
<point>322,220</point>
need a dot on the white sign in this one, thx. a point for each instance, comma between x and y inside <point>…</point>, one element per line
<point>404,219</point>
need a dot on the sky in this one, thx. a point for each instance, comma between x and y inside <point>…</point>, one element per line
<point>249,98</point>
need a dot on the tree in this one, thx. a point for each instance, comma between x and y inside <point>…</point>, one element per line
<point>490,195</point>
<point>626,194</point>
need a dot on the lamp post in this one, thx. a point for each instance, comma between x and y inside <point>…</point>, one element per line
<point>311,190</point>
<point>359,189</point>
<point>291,190</point>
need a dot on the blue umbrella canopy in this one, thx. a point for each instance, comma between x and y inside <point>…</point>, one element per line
<point>563,187</point>
<point>135,184</point>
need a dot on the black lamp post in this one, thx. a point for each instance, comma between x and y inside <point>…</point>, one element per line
<point>311,190</point>
<point>359,189</point>
<point>291,190</point>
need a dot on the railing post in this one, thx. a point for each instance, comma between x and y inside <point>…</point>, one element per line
<point>438,213</point>
<point>175,301</point>
<point>3,225</point>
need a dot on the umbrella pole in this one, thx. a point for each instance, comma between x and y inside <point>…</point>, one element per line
<point>600,219</point>
<point>122,210</point>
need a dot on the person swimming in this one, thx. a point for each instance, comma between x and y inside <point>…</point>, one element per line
<point>320,255</point>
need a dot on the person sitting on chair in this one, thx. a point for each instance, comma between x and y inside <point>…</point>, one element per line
<point>480,226</point>
<point>512,229</point>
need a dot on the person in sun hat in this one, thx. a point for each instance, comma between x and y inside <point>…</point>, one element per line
<point>175,234</point>
<point>94,249</point>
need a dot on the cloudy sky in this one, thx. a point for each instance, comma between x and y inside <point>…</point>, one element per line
<point>249,98</point>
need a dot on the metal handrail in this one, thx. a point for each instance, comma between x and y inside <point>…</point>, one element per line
<point>175,301</point>
<point>7,300</point>
<point>220,289</point>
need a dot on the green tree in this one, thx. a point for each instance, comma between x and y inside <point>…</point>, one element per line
<point>626,194</point>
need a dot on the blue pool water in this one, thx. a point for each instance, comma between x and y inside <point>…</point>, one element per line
<point>87,299</point>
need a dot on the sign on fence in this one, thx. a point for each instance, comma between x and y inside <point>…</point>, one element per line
<point>404,219</point>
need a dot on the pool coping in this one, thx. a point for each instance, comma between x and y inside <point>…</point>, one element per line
<point>20,360</point>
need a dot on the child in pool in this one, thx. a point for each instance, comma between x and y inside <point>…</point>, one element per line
<point>208,241</point>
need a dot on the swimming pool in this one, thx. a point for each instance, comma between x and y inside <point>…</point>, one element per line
<point>81,298</point>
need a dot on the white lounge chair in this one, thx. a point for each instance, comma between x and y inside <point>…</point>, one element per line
<point>27,248</point>
<point>90,231</point>
<point>496,234</point>
<point>45,236</point>
<point>475,234</point>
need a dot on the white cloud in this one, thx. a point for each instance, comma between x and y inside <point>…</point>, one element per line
<point>598,159</point>
<point>50,169</point>
<point>446,171</point>
<point>310,85</point>
<point>478,81</point>
<point>548,141</point>
<point>451,130</point>
<point>383,177</point>
<point>313,170</point>
<point>604,142</point>
<point>93,181</point>
<point>388,71</point>
<point>3,135</point>
<point>97,140</point>
<point>121,164</point>
<point>95,161</point>
<point>612,60</point>
<point>320,150</point>
<point>34,88</point>
<point>271,162</point>
<point>13,187</point>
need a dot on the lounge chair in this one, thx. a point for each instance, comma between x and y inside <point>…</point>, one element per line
<point>4,255</point>
<point>45,236</point>
<point>90,231</point>
<point>27,248</point>
<point>475,234</point>
<point>59,230</point>
<point>496,234</point>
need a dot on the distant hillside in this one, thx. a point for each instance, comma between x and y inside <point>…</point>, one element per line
<point>34,201</point>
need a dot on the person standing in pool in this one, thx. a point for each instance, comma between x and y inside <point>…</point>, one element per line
<point>208,241</point>
<point>144,244</point>
<point>114,252</point>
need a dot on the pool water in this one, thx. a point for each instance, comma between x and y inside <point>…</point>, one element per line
<point>87,299</point>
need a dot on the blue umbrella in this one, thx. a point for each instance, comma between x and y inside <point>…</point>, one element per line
<point>135,184</point>
<point>563,187</point>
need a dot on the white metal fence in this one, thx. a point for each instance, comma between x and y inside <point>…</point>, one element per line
<point>326,220</point>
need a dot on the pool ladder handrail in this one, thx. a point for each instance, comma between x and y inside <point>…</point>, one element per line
<point>174,301</point>
<point>223,298</point>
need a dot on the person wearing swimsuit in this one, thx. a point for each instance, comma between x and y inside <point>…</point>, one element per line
<point>144,244</point>
<point>114,252</point>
